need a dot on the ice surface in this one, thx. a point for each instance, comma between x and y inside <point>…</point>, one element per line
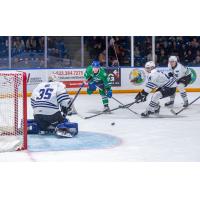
<point>169,138</point>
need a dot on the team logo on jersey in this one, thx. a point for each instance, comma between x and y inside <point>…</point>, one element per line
<point>137,76</point>
<point>193,75</point>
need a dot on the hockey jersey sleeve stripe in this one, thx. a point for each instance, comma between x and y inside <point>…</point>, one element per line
<point>65,94</point>
<point>151,85</point>
<point>62,99</point>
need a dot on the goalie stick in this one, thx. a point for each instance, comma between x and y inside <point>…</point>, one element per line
<point>72,102</point>
<point>77,93</point>
<point>184,108</point>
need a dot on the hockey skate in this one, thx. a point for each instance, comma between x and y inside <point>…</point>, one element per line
<point>106,109</point>
<point>185,104</point>
<point>169,104</point>
<point>147,113</point>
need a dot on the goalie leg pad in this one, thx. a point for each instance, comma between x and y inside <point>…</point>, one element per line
<point>67,129</point>
<point>32,127</point>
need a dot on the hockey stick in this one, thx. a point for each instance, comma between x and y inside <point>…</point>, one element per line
<point>78,92</point>
<point>184,108</point>
<point>123,106</point>
<point>101,113</point>
<point>120,102</point>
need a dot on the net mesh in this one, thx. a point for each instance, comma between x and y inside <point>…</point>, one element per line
<point>12,111</point>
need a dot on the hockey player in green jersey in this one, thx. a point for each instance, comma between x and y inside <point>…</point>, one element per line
<point>97,78</point>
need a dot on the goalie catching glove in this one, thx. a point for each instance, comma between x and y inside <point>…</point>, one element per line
<point>141,97</point>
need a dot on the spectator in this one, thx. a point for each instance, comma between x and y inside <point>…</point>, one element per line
<point>102,58</point>
<point>187,48</point>
<point>196,61</point>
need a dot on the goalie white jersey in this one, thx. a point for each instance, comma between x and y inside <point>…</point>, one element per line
<point>158,79</point>
<point>47,98</point>
<point>180,71</point>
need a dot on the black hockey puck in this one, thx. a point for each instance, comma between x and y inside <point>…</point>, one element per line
<point>113,123</point>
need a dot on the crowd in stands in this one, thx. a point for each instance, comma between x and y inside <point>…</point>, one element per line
<point>29,50</point>
<point>27,44</point>
<point>142,50</point>
<point>96,47</point>
<point>58,54</point>
<point>186,48</point>
<point>3,51</point>
<point>118,49</point>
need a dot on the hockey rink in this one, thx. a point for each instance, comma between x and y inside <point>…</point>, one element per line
<point>131,138</point>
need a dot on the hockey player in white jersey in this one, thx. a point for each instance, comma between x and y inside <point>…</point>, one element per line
<point>183,77</point>
<point>164,86</point>
<point>48,100</point>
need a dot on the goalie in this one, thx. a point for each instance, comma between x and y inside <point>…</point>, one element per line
<point>51,103</point>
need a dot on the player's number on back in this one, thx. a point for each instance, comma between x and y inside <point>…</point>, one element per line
<point>45,94</point>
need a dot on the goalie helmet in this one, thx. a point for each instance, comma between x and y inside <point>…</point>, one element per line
<point>52,78</point>
<point>149,66</point>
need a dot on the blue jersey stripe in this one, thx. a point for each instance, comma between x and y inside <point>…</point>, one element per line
<point>43,102</point>
<point>62,94</point>
<point>45,106</point>
<point>170,83</point>
<point>60,100</point>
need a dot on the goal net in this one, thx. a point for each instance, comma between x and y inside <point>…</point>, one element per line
<point>13,111</point>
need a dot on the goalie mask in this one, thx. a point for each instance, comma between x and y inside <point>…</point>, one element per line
<point>52,78</point>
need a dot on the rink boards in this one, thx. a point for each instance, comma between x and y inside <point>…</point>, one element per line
<point>124,80</point>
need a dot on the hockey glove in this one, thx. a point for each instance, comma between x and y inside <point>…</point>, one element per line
<point>109,93</point>
<point>67,111</point>
<point>141,97</point>
<point>92,86</point>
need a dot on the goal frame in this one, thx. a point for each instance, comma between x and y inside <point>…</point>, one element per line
<point>24,102</point>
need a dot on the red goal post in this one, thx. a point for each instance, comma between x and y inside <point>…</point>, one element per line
<point>13,111</point>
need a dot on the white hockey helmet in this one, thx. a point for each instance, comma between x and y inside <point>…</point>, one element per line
<point>52,78</point>
<point>150,65</point>
<point>173,59</point>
